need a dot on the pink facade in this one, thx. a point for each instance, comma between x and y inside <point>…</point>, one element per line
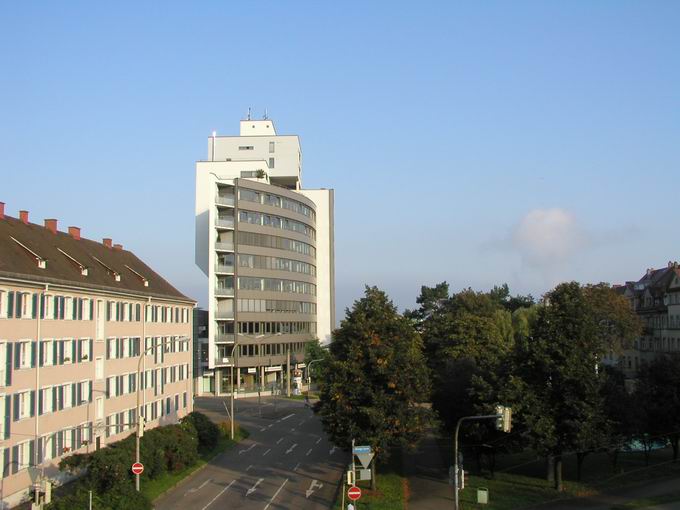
<point>70,348</point>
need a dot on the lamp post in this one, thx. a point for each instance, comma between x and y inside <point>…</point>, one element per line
<point>309,373</point>
<point>138,385</point>
<point>257,337</point>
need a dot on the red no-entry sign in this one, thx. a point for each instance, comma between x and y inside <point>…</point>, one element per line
<point>138,468</point>
<point>354,493</point>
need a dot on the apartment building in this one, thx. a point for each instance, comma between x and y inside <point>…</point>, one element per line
<point>79,319</point>
<point>655,297</point>
<point>266,245</point>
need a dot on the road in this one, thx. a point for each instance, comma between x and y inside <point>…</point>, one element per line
<point>286,463</point>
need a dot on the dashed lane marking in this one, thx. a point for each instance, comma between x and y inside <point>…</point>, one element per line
<point>221,492</point>
<point>276,494</point>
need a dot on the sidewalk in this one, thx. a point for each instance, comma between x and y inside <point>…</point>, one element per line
<point>427,475</point>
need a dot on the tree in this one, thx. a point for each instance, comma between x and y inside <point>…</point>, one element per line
<point>376,379</point>
<point>622,411</point>
<point>558,383</point>
<point>320,354</point>
<point>658,391</point>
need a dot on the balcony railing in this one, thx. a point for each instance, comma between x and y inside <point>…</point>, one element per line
<point>222,246</point>
<point>224,291</point>
<point>224,314</point>
<point>222,268</point>
<point>225,337</point>
<point>225,222</point>
<point>224,200</point>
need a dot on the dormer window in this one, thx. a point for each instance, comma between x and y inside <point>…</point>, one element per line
<point>140,276</point>
<point>83,270</point>
<point>42,263</point>
<point>114,273</point>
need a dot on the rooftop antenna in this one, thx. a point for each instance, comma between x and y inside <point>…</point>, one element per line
<point>249,113</point>
<point>265,114</point>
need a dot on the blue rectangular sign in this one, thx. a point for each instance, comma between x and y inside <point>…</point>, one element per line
<point>362,449</point>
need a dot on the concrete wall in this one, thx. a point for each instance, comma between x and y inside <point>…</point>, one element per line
<point>325,261</point>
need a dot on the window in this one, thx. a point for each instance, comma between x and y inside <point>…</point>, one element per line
<point>84,350</point>
<point>24,456</point>
<point>245,147</point>
<point>99,368</point>
<point>48,404</point>
<point>3,416</point>
<point>272,146</point>
<point>271,162</point>
<point>3,304</point>
<point>67,395</point>
<point>23,405</point>
<point>111,348</point>
<point>3,365</point>
<point>24,355</point>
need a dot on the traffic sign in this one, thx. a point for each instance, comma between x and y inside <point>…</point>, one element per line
<point>361,449</point>
<point>365,458</point>
<point>354,493</point>
<point>137,468</point>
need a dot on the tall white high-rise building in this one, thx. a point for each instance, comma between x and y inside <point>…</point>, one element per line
<point>266,245</point>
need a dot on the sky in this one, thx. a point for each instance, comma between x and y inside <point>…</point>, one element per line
<point>470,142</point>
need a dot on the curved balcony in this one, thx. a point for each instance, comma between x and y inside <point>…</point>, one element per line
<point>224,291</point>
<point>225,200</point>
<point>224,315</point>
<point>222,246</point>
<point>222,268</point>
<point>224,223</point>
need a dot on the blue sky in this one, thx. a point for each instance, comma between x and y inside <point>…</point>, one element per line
<point>478,142</point>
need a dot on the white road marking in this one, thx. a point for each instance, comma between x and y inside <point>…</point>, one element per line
<point>296,466</point>
<point>194,489</point>
<point>247,450</point>
<point>309,451</point>
<point>299,424</point>
<point>265,453</point>
<point>221,492</point>
<point>263,429</point>
<point>270,425</point>
<point>291,448</point>
<point>286,417</point>
<point>279,441</point>
<point>276,494</point>
<point>249,467</point>
<point>318,441</point>
<point>312,486</point>
<point>252,489</point>
<point>293,429</point>
<point>332,451</point>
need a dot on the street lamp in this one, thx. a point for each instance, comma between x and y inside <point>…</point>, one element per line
<point>257,337</point>
<point>309,373</point>
<point>140,425</point>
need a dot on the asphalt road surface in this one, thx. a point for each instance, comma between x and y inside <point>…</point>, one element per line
<point>286,463</point>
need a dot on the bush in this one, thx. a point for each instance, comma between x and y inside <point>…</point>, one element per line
<point>107,471</point>
<point>208,433</point>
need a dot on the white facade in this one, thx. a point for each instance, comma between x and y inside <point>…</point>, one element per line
<point>250,189</point>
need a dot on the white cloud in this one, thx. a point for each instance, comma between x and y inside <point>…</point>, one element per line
<point>548,238</point>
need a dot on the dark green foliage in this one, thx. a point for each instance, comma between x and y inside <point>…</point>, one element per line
<point>376,378</point>
<point>208,432</point>
<point>314,351</point>
<point>107,472</point>
<point>658,394</point>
